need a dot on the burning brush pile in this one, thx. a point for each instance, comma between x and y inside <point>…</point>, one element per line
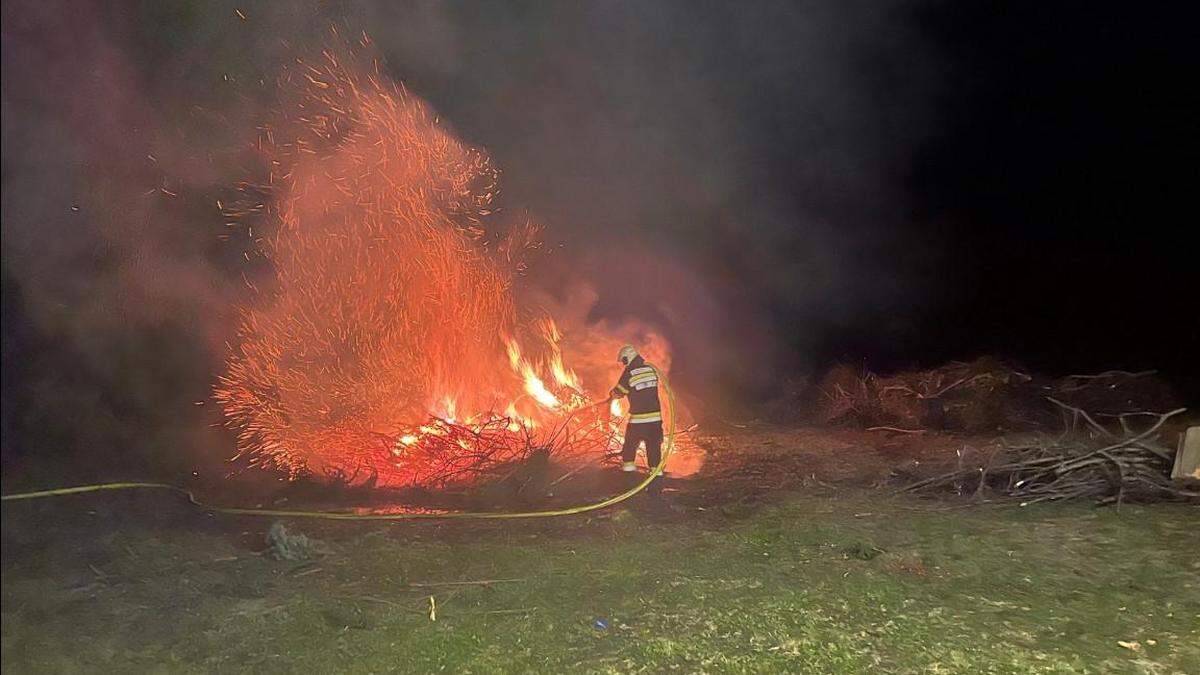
<point>389,344</point>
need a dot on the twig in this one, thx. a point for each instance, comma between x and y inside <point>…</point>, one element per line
<point>1082,381</point>
<point>947,388</point>
<point>1079,412</point>
<point>897,430</point>
<point>1112,373</point>
<point>479,582</point>
<point>385,601</point>
<point>565,476</point>
<point>983,471</point>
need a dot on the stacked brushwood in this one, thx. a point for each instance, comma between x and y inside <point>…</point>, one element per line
<point>1087,461</point>
<point>983,396</point>
<point>975,397</point>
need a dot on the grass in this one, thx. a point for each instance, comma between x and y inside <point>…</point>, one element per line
<point>847,583</point>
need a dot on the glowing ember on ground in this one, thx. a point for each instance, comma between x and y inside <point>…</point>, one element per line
<point>391,332</point>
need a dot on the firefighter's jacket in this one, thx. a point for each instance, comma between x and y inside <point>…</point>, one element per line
<point>639,381</point>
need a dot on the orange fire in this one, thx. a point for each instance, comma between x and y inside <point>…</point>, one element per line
<point>391,333</point>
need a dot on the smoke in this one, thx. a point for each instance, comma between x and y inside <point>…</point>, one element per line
<point>106,268</point>
<point>657,140</point>
<point>122,125</point>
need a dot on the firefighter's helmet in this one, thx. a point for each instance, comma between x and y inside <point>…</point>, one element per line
<point>627,354</point>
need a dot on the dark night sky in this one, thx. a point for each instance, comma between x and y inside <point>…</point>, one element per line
<point>1063,178</point>
<point>896,182</point>
<point>901,183</point>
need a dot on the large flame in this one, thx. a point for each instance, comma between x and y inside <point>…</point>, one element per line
<point>391,340</point>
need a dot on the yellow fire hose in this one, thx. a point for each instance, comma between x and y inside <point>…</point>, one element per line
<point>668,446</point>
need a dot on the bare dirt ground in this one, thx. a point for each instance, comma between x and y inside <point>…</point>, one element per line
<point>740,465</point>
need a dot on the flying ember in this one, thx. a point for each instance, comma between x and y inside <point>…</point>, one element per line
<point>390,345</point>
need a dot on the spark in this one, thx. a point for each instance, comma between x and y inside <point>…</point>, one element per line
<point>392,330</point>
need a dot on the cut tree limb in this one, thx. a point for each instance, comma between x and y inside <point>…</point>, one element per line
<point>1110,469</point>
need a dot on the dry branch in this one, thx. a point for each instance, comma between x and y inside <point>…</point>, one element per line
<point>1108,466</point>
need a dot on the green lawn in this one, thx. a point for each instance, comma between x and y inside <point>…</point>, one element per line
<point>847,583</point>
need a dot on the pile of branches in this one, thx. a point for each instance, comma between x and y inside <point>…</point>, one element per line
<point>441,453</point>
<point>985,395</point>
<point>976,396</point>
<point>1089,461</point>
<point>447,452</point>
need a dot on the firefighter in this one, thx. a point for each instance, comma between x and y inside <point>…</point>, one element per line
<point>639,381</point>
